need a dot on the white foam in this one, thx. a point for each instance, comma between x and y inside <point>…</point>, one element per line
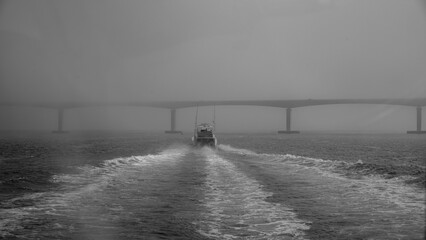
<point>112,167</point>
<point>89,181</point>
<point>231,149</point>
<point>10,221</point>
<point>389,190</point>
<point>392,190</point>
<point>236,207</point>
<point>169,154</point>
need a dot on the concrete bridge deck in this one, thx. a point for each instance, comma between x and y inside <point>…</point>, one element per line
<point>415,102</point>
<point>174,105</point>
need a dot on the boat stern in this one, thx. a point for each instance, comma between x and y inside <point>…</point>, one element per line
<point>210,142</point>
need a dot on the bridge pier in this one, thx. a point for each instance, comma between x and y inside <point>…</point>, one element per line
<point>60,121</point>
<point>173,122</point>
<point>288,123</point>
<point>419,123</point>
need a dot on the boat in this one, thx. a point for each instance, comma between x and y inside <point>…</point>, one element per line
<point>204,132</point>
<point>204,135</point>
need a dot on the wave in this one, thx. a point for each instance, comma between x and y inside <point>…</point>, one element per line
<point>237,207</point>
<point>407,173</point>
<point>74,190</point>
<point>380,181</point>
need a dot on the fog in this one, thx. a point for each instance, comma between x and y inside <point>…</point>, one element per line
<point>104,50</point>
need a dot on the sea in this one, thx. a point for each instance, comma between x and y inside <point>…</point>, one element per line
<point>136,185</point>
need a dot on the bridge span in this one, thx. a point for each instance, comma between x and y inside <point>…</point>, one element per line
<point>417,103</point>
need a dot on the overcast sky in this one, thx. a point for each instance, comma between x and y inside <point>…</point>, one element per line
<point>59,50</point>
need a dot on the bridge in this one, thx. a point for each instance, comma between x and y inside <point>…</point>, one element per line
<point>60,107</point>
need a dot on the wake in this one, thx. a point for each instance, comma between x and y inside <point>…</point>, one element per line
<point>393,189</point>
<point>236,206</point>
<point>78,195</point>
<point>369,200</point>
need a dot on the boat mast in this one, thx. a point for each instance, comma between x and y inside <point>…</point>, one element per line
<point>196,116</point>
<point>196,121</point>
<point>214,117</point>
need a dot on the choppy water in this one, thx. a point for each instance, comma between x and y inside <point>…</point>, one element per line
<point>170,190</point>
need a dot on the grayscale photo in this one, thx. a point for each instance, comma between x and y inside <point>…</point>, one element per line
<point>213,119</point>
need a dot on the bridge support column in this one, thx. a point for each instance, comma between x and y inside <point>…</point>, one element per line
<point>60,121</point>
<point>419,123</point>
<point>288,123</point>
<point>173,122</point>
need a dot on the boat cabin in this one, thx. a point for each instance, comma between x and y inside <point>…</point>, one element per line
<point>204,135</point>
